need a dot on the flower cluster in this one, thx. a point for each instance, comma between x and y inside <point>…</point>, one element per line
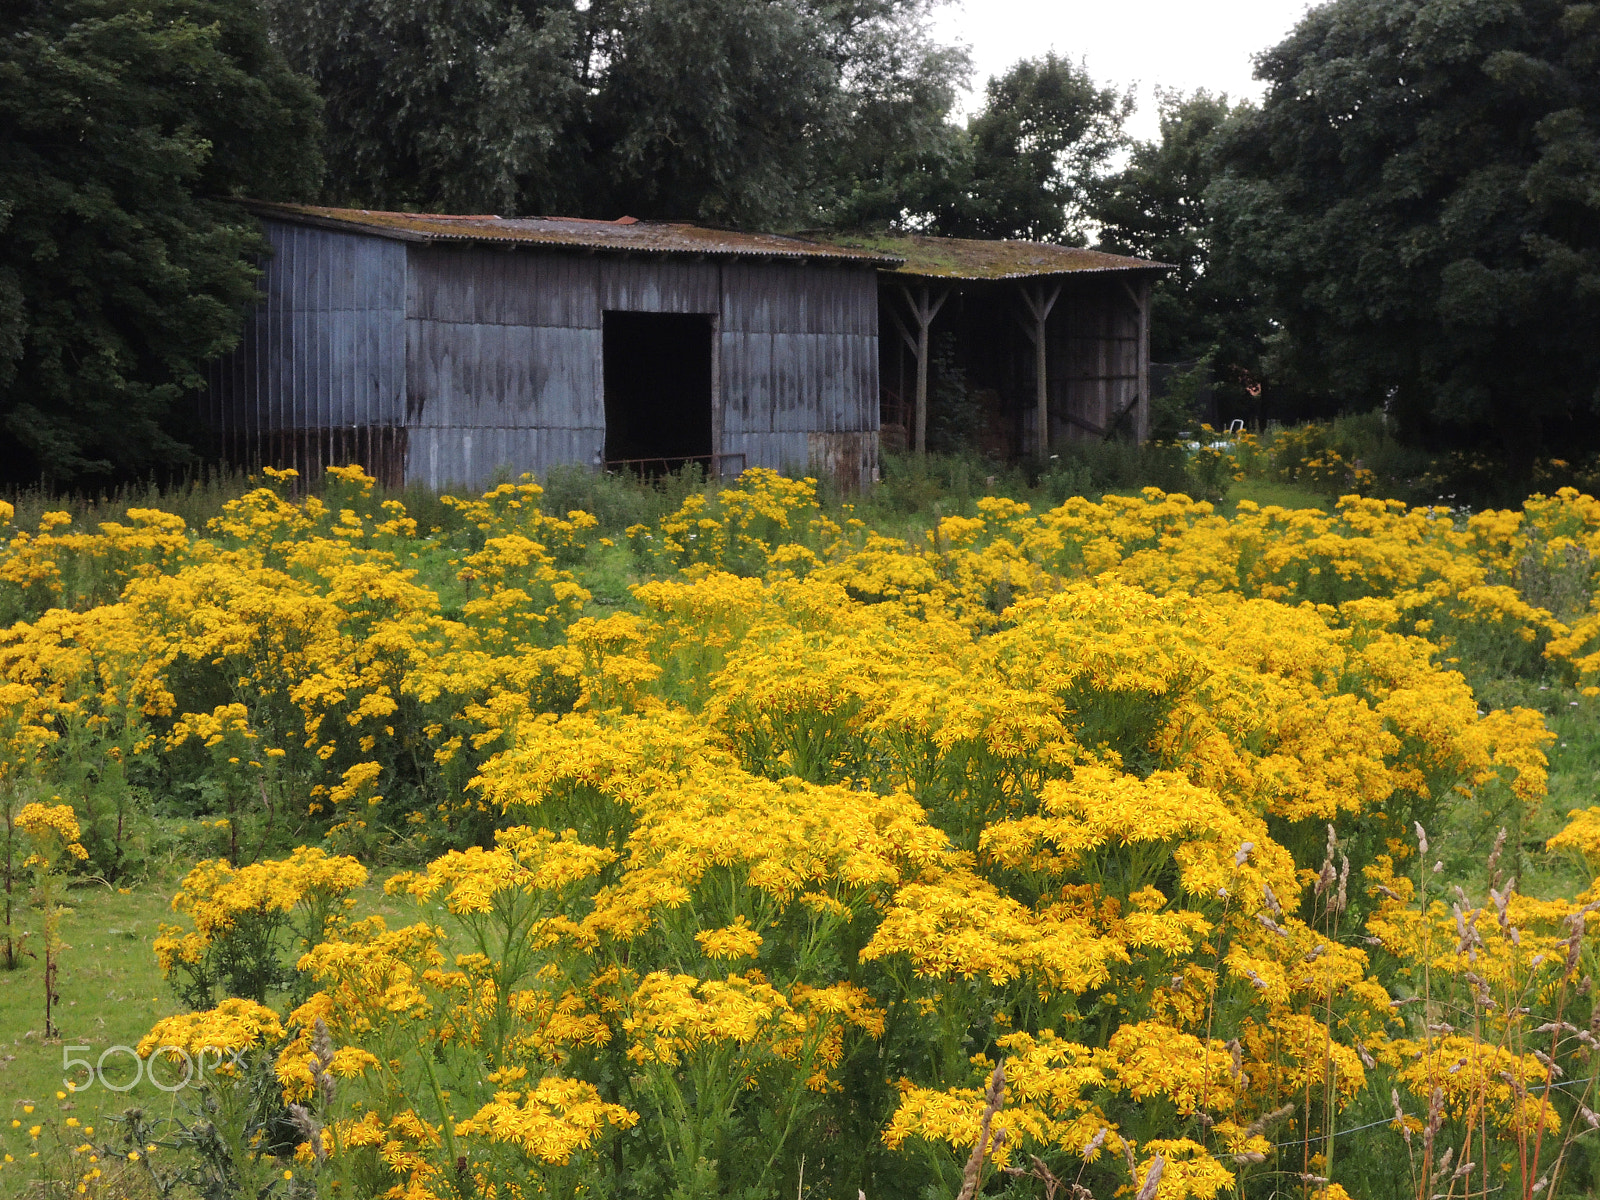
<point>782,862</point>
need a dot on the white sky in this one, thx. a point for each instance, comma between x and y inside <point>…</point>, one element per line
<point>1183,44</point>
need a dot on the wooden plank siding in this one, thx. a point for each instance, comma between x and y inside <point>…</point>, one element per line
<point>1093,366</point>
<point>464,358</point>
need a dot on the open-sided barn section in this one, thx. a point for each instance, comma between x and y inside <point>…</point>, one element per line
<point>1054,340</point>
<point>442,349</point>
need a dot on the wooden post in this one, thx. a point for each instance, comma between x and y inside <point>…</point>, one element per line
<point>1140,295</point>
<point>920,437</point>
<point>911,342</point>
<point>924,309</point>
<point>1039,306</point>
<point>1142,416</point>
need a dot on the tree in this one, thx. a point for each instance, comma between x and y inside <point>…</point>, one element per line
<point>1419,196</point>
<point>1046,131</point>
<point>900,157</point>
<point>1155,208</point>
<point>710,110</point>
<point>465,107</point>
<point>749,113</point>
<point>122,271</point>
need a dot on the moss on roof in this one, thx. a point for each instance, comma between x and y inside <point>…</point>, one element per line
<point>974,258</point>
<point>626,234</point>
<point>905,255</point>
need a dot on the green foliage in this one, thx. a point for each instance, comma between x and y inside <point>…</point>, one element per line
<point>1363,453</point>
<point>1155,208</point>
<point>1045,131</point>
<point>955,416</point>
<point>465,108</point>
<point>1416,202</point>
<point>903,153</point>
<point>121,271</point>
<point>733,112</point>
<point>1091,468</point>
<point>1176,409</point>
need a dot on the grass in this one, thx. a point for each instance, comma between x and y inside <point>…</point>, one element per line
<point>1267,492</point>
<point>111,994</point>
<point>196,500</point>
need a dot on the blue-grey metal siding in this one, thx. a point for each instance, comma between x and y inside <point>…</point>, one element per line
<point>319,374</point>
<point>800,367</point>
<point>504,358</point>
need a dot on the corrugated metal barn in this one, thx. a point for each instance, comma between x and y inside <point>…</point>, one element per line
<point>438,350</point>
<point>441,350</point>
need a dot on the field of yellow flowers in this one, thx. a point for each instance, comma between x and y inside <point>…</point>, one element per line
<point>1095,851</point>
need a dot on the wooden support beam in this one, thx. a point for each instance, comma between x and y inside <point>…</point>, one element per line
<point>1139,293</point>
<point>924,308</point>
<point>1039,305</point>
<point>911,342</point>
<point>1073,418</point>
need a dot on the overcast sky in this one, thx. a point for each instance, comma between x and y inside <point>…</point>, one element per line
<point>1184,44</point>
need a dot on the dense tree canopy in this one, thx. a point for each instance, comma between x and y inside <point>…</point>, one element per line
<point>1419,196</point>
<point>1155,208</point>
<point>1045,133</point>
<point>737,112</point>
<point>121,270</point>
<point>465,107</point>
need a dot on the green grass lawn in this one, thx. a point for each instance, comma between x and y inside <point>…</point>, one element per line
<point>111,994</point>
<point>1267,492</point>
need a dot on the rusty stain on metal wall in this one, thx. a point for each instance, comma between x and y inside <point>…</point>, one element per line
<point>849,458</point>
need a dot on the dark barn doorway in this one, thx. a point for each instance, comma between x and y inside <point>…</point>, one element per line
<point>657,388</point>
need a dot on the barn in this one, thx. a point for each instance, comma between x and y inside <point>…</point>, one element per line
<point>440,350</point>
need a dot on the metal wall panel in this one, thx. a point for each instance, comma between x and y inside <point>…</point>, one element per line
<point>800,367</point>
<point>319,374</point>
<point>658,283</point>
<point>746,383</point>
<point>799,298</point>
<point>504,362</point>
<point>515,376</point>
<point>480,285</point>
<point>468,456</point>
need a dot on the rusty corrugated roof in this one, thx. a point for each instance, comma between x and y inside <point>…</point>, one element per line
<point>977,259</point>
<point>624,235</point>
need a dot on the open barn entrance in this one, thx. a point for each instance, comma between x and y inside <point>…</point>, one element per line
<point>658,390</point>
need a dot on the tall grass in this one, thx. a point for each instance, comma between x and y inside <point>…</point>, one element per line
<point>196,499</point>
<point>1351,453</point>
